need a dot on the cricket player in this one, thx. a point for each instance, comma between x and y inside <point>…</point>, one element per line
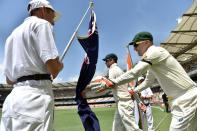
<point>124,115</point>
<point>146,96</point>
<point>31,61</point>
<point>173,79</point>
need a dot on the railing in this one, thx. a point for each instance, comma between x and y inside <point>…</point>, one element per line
<point>70,101</point>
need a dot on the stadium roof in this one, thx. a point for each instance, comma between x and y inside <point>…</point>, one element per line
<point>182,42</point>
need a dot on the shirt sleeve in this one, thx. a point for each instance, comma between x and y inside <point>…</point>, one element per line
<point>45,42</point>
<point>150,93</point>
<point>150,78</point>
<point>132,74</point>
<point>155,55</point>
<point>115,72</point>
<point>7,62</point>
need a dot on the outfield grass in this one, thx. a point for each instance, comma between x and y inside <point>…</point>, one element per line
<point>68,119</point>
<point>161,119</point>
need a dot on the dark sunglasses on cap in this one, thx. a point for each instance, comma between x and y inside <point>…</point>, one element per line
<point>135,45</point>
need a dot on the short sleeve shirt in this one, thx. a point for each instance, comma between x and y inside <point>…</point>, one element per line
<point>28,48</point>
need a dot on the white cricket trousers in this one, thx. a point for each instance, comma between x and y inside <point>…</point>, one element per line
<point>28,109</point>
<point>149,118</point>
<point>124,117</point>
<point>184,112</point>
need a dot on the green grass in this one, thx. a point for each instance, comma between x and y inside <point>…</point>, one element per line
<point>68,119</point>
<point>161,119</point>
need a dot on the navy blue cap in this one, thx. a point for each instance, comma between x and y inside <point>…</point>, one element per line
<point>110,56</point>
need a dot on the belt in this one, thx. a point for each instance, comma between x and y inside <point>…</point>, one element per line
<point>35,77</point>
<point>147,104</point>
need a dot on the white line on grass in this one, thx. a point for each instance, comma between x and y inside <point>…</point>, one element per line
<point>161,121</point>
<point>158,108</point>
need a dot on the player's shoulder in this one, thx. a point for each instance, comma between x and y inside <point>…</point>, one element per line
<point>33,20</point>
<point>156,51</point>
<point>115,70</point>
<point>155,54</point>
<point>115,67</point>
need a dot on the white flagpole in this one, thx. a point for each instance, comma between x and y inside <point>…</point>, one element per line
<point>75,32</point>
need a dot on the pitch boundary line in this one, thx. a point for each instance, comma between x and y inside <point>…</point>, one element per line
<point>158,108</point>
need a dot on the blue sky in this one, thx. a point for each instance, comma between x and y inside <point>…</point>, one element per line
<point>117,20</point>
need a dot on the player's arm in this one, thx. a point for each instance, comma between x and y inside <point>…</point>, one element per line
<point>54,66</point>
<point>46,48</point>
<point>132,74</point>
<point>149,80</point>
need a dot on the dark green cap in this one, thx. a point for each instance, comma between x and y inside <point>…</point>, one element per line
<point>110,56</point>
<point>141,36</point>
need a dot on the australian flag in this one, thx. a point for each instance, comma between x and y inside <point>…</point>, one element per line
<point>90,45</point>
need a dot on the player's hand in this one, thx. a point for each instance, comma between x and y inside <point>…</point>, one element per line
<point>131,92</point>
<point>142,107</point>
<point>102,84</point>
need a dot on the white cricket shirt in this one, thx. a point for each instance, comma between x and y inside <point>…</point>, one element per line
<point>165,68</point>
<point>121,91</point>
<point>28,47</point>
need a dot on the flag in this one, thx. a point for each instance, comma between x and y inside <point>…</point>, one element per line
<point>129,65</point>
<point>137,112</point>
<point>90,45</point>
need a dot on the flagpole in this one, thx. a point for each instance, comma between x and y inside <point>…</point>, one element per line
<point>129,62</point>
<point>127,46</point>
<point>75,32</point>
<point>138,100</point>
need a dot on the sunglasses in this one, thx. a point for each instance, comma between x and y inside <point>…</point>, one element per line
<point>135,45</point>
